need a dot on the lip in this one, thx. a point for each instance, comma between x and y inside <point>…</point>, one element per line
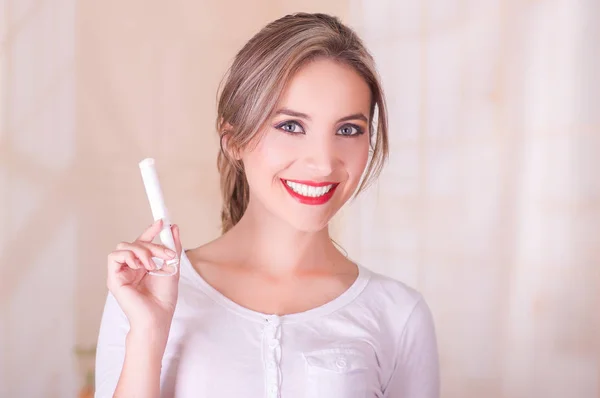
<point>308,200</point>
<point>312,183</point>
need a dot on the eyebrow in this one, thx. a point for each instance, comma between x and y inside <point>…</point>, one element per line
<point>289,112</point>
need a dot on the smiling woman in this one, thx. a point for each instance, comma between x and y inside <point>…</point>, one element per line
<point>272,308</point>
<point>343,87</point>
<point>322,144</point>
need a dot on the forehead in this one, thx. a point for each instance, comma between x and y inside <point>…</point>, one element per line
<point>325,89</point>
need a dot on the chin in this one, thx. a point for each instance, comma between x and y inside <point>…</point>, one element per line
<point>304,221</point>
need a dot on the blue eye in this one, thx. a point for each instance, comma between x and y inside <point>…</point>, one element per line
<point>350,130</point>
<point>290,127</point>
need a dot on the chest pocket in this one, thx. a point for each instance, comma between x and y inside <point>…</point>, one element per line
<point>337,373</point>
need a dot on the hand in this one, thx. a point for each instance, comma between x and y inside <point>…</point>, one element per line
<point>148,301</point>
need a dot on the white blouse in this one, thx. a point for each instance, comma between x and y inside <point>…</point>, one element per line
<point>377,339</point>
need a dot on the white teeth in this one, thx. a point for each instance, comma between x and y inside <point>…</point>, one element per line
<point>307,190</point>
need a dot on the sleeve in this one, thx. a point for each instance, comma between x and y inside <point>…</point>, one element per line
<point>416,372</point>
<point>110,350</point>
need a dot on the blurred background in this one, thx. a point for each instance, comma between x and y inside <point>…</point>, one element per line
<point>489,205</point>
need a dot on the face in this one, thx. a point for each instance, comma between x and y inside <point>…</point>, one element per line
<point>309,159</point>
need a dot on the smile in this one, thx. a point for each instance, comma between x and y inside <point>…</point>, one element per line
<point>310,192</point>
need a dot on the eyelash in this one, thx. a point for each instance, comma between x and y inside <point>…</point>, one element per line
<point>359,130</point>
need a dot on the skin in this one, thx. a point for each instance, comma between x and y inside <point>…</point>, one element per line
<point>279,258</point>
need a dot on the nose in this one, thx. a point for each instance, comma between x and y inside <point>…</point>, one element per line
<point>321,156</point>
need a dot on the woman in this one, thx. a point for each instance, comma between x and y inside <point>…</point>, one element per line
<point>271,308</point>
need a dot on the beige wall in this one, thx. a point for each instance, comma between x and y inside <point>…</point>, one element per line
<point>489,204</point>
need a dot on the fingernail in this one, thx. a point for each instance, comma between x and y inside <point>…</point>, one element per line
<point>170,253</point>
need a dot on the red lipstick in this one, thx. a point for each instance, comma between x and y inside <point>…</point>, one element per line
<point>309,200</point>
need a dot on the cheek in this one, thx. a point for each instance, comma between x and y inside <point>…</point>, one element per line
<point>356,156</point>
<point>271,154</point>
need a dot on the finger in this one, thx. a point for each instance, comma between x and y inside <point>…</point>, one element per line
<point>146,250</point>
<point>176,239</point>
<point>123,268</point>
<point>157,250</point>
<point>120,258</point>
<point>143,253</point>
<point>150,233</point>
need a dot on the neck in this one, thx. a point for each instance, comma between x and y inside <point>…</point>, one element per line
<point>266,242</point>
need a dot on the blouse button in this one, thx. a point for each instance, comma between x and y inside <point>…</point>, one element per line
<point>341,363</point>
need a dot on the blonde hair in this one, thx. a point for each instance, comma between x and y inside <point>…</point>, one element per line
<point>255,82</point>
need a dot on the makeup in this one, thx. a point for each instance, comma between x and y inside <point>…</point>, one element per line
<point>310,193</point>
<point>159,211</point>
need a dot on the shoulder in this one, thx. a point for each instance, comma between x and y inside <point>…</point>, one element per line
<point>390,295</point>
<point>408,338</point>
<point>396,305</point>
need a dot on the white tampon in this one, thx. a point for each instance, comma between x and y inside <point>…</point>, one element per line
<point>159,210</point>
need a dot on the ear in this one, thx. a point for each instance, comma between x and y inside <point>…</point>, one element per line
<point>225,144</point>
